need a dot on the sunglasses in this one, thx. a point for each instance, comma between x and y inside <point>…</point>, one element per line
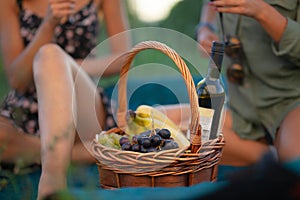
<point>235,72</point>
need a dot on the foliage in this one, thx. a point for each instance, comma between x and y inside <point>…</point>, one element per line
<point>184,17</point>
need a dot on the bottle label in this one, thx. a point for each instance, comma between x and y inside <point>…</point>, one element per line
<point>206,118</point>
<point>212,89</point>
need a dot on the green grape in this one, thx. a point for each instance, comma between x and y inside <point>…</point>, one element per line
<point>110,140</point>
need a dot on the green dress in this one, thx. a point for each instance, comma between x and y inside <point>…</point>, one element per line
<point>272,84</point>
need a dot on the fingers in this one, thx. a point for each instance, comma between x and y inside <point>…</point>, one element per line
<point>224,3</point>
<point>60,1</point>
<point>235,10</point>
<point>61,8</point>
<point>233,6</point>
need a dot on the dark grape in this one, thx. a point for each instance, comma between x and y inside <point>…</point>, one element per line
<point>159,140</point>
<point>164,133</point>
<point>123,140</point>
<point>143,149</point>
<point>146,142</point>
<point>151,149</point>
<point>169,144</point>
<point>140,139</point>
<point>126,146</point>
<point>175,145</point>
<point>134,139</point>
<point>155,140</point>
<point>145,133</point>
<point>136,147</point>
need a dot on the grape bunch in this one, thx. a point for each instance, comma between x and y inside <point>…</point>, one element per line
<point>110,140</point>
<point>149,141</point>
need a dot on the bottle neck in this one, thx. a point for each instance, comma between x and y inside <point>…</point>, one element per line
<point>215,64</point>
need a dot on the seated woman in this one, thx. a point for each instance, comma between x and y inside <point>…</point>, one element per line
<point>43,44</point>
<point>263,107</point>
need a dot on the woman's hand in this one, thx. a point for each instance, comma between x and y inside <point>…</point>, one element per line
<point>261,11</point>
<point>59,10</point>
<point>248,8</point>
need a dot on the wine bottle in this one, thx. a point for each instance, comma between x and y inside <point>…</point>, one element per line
<point>211,95</point>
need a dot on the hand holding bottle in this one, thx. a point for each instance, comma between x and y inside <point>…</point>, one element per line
<point>248,8</point>
<point>259,10</point>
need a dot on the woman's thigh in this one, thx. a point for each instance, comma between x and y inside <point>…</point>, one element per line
<point>288,136</point>
<point>238,151</point>
<point>71,85</point>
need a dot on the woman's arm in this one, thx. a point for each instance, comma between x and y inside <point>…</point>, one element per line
<point>17,58</point>
<point>205,33</point>
<point>116,22</point>
<point>285,32</point>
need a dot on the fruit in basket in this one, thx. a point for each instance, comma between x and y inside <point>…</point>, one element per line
<point>169,144</point>
<point>136,147</point>
<point>145,110</point>
<point>144,117</point>
<point>124,140</point>
<point>126,146</point>
<point>149,141</point>
<point>146,142</point>
<point>164,133</point>
<point>155,140</point>
<point>110,140</point>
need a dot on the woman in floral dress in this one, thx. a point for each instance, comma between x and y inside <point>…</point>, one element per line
<point>43,44</point>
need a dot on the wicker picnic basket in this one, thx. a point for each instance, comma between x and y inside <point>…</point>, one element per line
<point>169,168</point>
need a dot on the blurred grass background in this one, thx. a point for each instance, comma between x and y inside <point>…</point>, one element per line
<point>182,18</point>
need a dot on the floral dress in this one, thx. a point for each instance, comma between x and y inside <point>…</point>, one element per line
<point>77,39</point>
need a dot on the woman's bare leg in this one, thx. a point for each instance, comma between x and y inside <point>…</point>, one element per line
<point>55,74</point>
<point>288,137</point>
<point>237,151</point>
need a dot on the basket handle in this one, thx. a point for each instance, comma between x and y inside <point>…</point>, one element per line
<point>195,128</point>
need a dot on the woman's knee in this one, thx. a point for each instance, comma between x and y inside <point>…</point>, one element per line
<point>46,59</point>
